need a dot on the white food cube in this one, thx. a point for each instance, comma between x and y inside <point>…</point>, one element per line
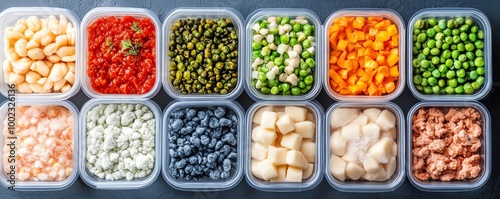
<point>337,167</point>
<point>351,132</point>
<point>279,109</point>
<point>279,115</point>
<point>310,117</point>
<point>371,165</point>
<point>267,170</point>
<point>285,124</point>
<point>298,114</point>
<point>306,173</point>
<point>291,141</point>
<point>380,175</point>
<point>394,149</point>
<point>255,169</point>
<point>338,143</point>
<point>281,174</point>
<point>350,157</point>
<point>354,171</point>
<point>362,119</point>
<point>394,133</point>
<point>293,174</point>
<point>342,116</point>
<point>255,133</point>
<point>381,151</point>
<point>372,114</point>
<point>257,117</point>
<point>308,149</point>
<point>371,131</point>
<point>390,168</point>
<point>276,155</point>
<point>259,152</point>
<point>306,129</point>
<point>296,159</point>
<point>265,137</point>
<point>386,120</point>
<point>268,120</point>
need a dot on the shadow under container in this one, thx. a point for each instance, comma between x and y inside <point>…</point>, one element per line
<point>203,184</point>
<point>6,115</point>
<point>264,13</point>
<point>482,22</point>
<point>396,179</point>
<point>317,174</point>
<point>388,14</point>
<point>203,13</point>
<point>10,16</point>
<point>122,184</point>
<point>485,151</point>
<point>118,12</point>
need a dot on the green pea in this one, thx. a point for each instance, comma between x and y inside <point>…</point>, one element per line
<point>256,45</point>
<point>479,53</point>
<point>287,92</point>
<point>473,75</point>
<point>464,36</point>
<point>468,88</point>
<point>274,82</point>
<point>450,24</point>
<point>439,44</point>
<point>455,32</point>
<point>446,54</point>
<point>434,51</point>
<point>461,80</point>
<point>310,62</point>
<point>452,83</point>
<point>275,90</point>
<point>469,22</point>
<point>274,31</point>
<point>424,63</point>
<point>295,90</point>
<point>432,81</point>
<point>305,54</point>
<point>421,37</point>
<point>285,86</point>
<point>303,65</point>
<point>436,73</point>
<point>462,58</point>
<point>265,90</point>
<point>457,64</point>
<point>479,62</point>
<point>460,73</point>
<point>428,89</point>
<point>448,40</point>
<point>449,63</point>
<point>284,39</point>
<point>430,32</point>
<point>442,69</point>
<point>419,24</point>
<point>416,62</point>
<point>278,61</point>
<point>464,28</point>
<point>456,39</point>
<point>303,73</point>
<point>479,44</point>
<point>296,27</point>
<point>306,43</point>
<point>450,74</point>
<point>285,20</point>
<point>421,57</point>
<point>301,84</point>
<point>480,70</point>
<point>419,88</point>
<point>475,85</point>
<point>431,43</point>
<point>473,37</point>
<point>309,80</point>
<point>460,47</point>
<point>418,45</point>
<point>480,34</point>
<point>436,89</point>
<point>256,54</point>
<point>417,79</point>
<point>441,83</point>
<point>442,24</point>
<point>480,80</point>
<point>465,65</point>
<point>424,82</point>
<point>470,55</point>
<point>449,90</point>
<point>432,21</point>
<point>426,51</point>
<point>435,60</point>
<point>459,89</point>
<point>293,41</point>
<point>445,46</point>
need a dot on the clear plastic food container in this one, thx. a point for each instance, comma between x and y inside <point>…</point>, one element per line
<point>204,184</point>
<point>485,152</point>
<point>482,22</point>
<point>397,20</point>
<point>10,16</point>
<point>264,13</point>
<point>396,179</point>
<point>5,115</point>
<point>118,12</point>
<point>317,174</point>
<point>204,13</point>
<point>121,184</point>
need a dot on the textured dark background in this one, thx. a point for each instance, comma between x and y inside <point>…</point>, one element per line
<point>323,8</point>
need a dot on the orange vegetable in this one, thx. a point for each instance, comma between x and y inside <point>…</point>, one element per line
<point>364,55</point>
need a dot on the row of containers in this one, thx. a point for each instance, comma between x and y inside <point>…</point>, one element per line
<point>210,53</point>
<point>110,148</point>
<point>282,57</point>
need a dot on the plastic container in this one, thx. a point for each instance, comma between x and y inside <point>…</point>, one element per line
<point>317,175</point>
<point>264,13</point>
<point>366,12</point>
<point>10,16</point>
<point>122,184</point>
<point>208,184</point>
<point>118,12</point>
<point>396,179</point>
<point>210,13</point>
<point>485,151</point>
<point>482,22</point>
<point>39,185</point>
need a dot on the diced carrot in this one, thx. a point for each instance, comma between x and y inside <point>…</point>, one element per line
<point>381,88</point>
<point>358,23</point>
<point>380,59</point>
<point>368,43</point>
<point>360,72</point>
<point>333,59</point>
<point>343,23</point>
<point>361,52</point>
<point>389,87</point>
<point>373,32</point>
<point>371,64</point>
<point>392,30</point>
<point>361,85</point>
<point>334,67</point>
<point>384,70</point>
<point>370,53</point>
<point>341,60</point>
<point>375,18</point>
<point>345,91</point>
<point>343,73</point>
<point>348,65</point>
<point>352,80</point>
<point>334,75</point>
<point>350,47</point>
<point>342,44</point>
<point>333,84</point>
<point>352,55</point>
<point>384,53</point>
<point>360,36</point>
<point>380,25</point>
<point>394,41</point>
<point>379,77</point>
<point>394,71</point>
<point>372,89</point>
<point>378,45</point>
<point>392,59</point>
<point>394,51</point>
<point>354,89</point>
<point>334,28</point>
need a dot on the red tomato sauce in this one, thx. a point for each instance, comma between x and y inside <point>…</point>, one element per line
<point>122,55</point>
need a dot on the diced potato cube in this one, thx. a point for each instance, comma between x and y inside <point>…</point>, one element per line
<point>293,175</point>
<point>306,129</point>
<point>255,169</point>
<point>380,175</point>
<point>337,167</point>
<point>310,117</point>
<point>372,114</point>
<point>291,141</point>
<point>265,137</point>
<point>342,116</point>
<point>362,119</point>
<point>308,172</point>
<point>371,131</point>
<point>285,124</point>
<point>276,155</point>
<point>308,149</point>
<point>350,157</point>
<point>390,168</point>
<point>381,151</point>
<point>354,171</point>
<point>371,165</point>
<point>268,120</point>
<point>338,144</point>
<point>281,174</point>
<point>259,152</point>
<point>257,117</point>
<point>351,132</point>
<point>386,120</point>
<point>296,159</point>
<point>267,170</point>
<point>298,114</point>
<point>394,150</point>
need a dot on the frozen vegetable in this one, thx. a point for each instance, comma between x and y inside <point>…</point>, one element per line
<point>203,143</point>
<point>45,146</point>
<point>363,144</point>
<point>283,147</point>
<point>364,56</point>
<point>448,56</point>
<point>446,144</point>
<point>283,55</point>
<point>40,54</point>
<point>203,55</point>
<point>120,141</point>
<point>121,55</point>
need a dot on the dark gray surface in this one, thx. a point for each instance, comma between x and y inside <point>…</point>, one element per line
<point>323,8</point>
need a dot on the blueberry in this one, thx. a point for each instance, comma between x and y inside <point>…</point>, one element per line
<point>190,113</point>
<point>189,169</point>
<point>229,138</point>
<point>221,158</point>
<point>179,113</point>
<point>196,142</point>
<point>215,175</point>
<point>225,122</point>
<point>211,165</point>
<point>212,157</point>
<point>212,143</point>
<point>193,160</point>
<point>201,114</point>
<point>180,141</point>
<point>218,145</point>
<point>210,113</point>
<point>227,165</point>
<point>172,153</point>
<point>225,150</point>
<point>181,164</point>
<point>213,123</point>
<point>225,175</point>
<point>205,140</point>
<point>174,172</point>
<point>177,125</point>
<point>200,130</point>
<point>216,133</point>
<point>219,112</point>
<point>187,150</point>
<point>182,173</point>
<point>232,156</point>
<point>204,121</point>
